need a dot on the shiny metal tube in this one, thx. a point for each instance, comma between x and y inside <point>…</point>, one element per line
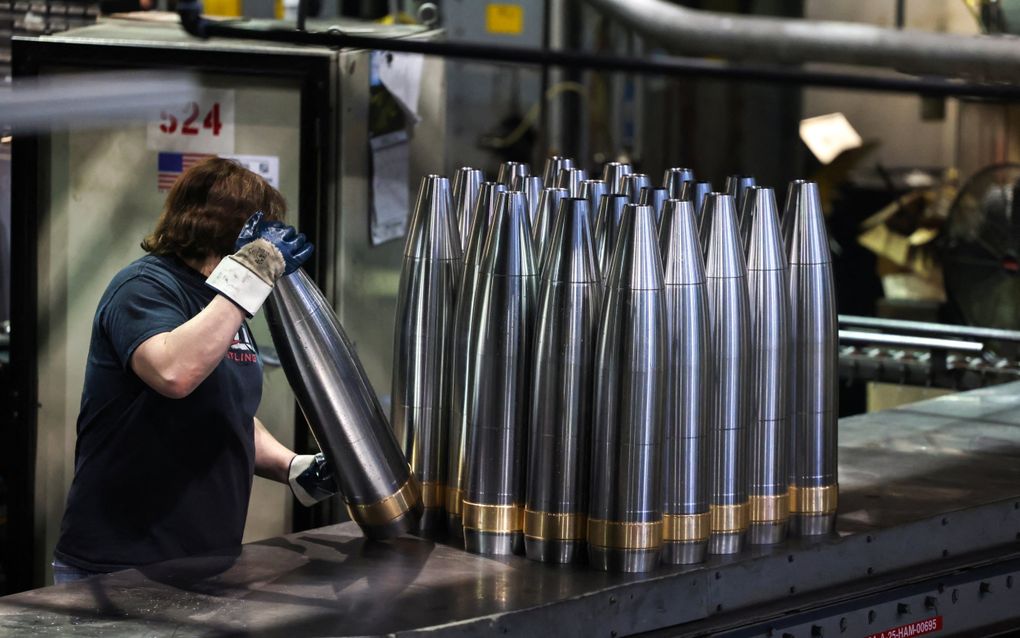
<point>625,503</point>
<point>593,190</point>
<point>695,192</point>
<point>571,179</point>
<point>510,172</point>
<point>632,185</point>
<point>502,330</point>
<point>655,197</point>
<point>607,227</point>
<point>796,41</point>
<point>686,439</point>
<point>463,364</point>
<point>422,344</point>
<point>768,288</point>
<point>729,321</point>
<point>531,186</point>
<point>382,494</point>
<point>466,184</point>
<point>814,488</point>
<point>559,440</point>
<point>551,172</point>
<point>613,174</point>
<point>673,180</point>
<point>548,208</point>
<point>738,186</point>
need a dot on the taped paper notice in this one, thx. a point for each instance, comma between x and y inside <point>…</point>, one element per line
<point>400,73</point>
<point>268,166</point>
<point>391,159</point>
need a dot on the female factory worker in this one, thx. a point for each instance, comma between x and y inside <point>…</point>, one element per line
<point>167,435</point>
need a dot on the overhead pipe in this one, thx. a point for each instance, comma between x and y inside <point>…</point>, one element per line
<point>765,39</point>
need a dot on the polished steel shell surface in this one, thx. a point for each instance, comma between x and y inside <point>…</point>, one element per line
<point>463,364</point>
<point>613,174</point>
<point>423,343</point>
<point>673,180</point>
<point>467,182</point>
<point>632,185</point>
<point>768,287</point>
<point>502,330</point>
<point>656,198</point>
<point>695,192</point>
<point>625,501</point>
<point>593,190</point>
<point>548,208</point>
<point>335,395</point>
<point>551,172</point>
<point>571,179</point>
<point>814,411</point>
<point>686,440</point>
<point>510,174</point>
<point>531,186</point>
<point>729,321</point>
<point>607,228</point>
<point>559,440</point>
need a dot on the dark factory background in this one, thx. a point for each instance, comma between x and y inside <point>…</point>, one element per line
<point>910,170</point>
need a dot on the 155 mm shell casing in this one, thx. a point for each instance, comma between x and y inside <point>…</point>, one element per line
<point>768,287</point>
<point>607,228</point>
<point>531,186</point>
<point>423,340</point>
<point>510,173</point>
<point>502,326</point>
<point>656,198</point>
<point>632,185</point>
<point>686,460</point>
<point>593,190</point>
<point>613,174</point>
<point>559,442</point>
<point>814,490</point>
<point>695,192</point>
<point>548,207</point>
<point>625,503</point>
<point>673,180</point>
<point>730,324</point>
<point>571,179</point>
<point>466,184</point>
<point>463,364</point>
<point>551,171</point>
<point>382,495</point>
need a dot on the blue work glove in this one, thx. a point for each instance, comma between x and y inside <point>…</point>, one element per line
<point>311,478</point>
<point>265,251</point>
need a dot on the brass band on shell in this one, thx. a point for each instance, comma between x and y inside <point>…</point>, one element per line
<point>501,519</point>
<point>769,509</point>
<point>685,528</point>
<point>454,500</point>
<point>389,508</point>
<point>550,526</point>
<point>814,500</point>
<point>726,519</point>
<point>433,494</point>
<point>621,535</point>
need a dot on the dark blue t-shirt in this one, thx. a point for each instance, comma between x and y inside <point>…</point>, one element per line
<point>158,478</point>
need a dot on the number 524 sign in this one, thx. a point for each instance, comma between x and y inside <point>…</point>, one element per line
<point>202,125</point>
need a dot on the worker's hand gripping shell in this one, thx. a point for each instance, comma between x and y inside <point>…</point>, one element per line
<point>311,478</point>
<point>266,251</point>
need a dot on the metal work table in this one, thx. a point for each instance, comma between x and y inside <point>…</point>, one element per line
<point>929,525</point>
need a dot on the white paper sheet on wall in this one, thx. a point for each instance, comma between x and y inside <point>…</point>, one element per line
<point>391,158</point>
<point>400,73</point>
<point>268,166</point>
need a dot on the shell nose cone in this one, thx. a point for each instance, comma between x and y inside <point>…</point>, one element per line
<point>695,192</point>
<point>571,179</point>
<point>613,174</point>
<point>632,185</point>
<point>807,238</point>
<point>467,182</point>
<point>725,255</point>
<point>485,206</point>
<point>545,219</point>
<point>593,190</point>
<point>531,186</point>
<point>433,232</point>
<point>607,229</point>
<point>681,252</point>
<point>765,246</point>
<point>508,250</point>
<point>553,165</point>
<point>655,197</point>
<point>571,251</point>
<point>673,180</point>
<point>510,172</point>
<point>736,186</point>
<point>637,263</point>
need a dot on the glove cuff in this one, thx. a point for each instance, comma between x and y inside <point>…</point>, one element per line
<point>238,283</point>
<point>299,467</point>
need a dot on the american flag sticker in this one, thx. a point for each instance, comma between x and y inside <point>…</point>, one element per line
<point>171,165</point>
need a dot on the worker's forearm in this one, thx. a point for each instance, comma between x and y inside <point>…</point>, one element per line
<point>272,458</point>
<point>174,363</point>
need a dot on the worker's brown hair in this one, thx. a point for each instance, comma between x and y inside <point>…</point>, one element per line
<point>207,207</point>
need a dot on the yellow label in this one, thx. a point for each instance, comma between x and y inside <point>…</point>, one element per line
<point>507,19</point>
